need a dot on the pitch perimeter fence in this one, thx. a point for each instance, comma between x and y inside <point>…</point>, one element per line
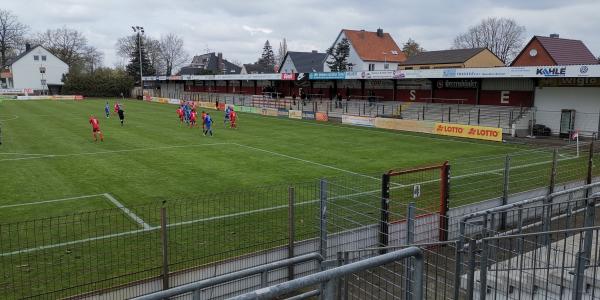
<point>109,252</point>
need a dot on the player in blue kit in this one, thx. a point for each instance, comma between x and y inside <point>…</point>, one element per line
<point>107,110</point>
<point>227,115</point>
<point>208,124</point>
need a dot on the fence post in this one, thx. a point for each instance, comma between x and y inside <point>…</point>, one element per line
<point>471,270</point>
<point>478,116</point>
<point>584,255</point>
<point>384,221</point>
<point>423,117</point>
<point>165,248</point>
<point>323,224</point>
<point>484,257</point>
<point>444,199</point>
<point>469,122</point>
<point>291,229</point>
<point>449,114</point>
<point>505,191</point>
<point>410,238</point>
<point>547,211</point>
<point>590,165</point>
<point>458,263</point>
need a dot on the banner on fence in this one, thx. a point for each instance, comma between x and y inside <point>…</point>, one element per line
<point>269,112</point>
<point>282,112</point>
<point>221,106</point>
<point>295,114</point>
<point>321,117</point>
<point>48,97</point>
<point>469,131</point>
<point>308,115</point>
<point>404,125</point>
<point>359,121</point>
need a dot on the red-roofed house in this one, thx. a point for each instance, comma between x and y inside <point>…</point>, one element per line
<point>554,51</point>
<point>370,51</point>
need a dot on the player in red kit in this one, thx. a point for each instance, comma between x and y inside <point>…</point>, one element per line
<point>96,129</point>
<point>180,114</point>
<point>233,119</point>
<point>193,118</point>
<point>203,116</point>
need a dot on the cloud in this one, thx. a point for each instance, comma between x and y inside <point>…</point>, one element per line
<point>239,28</point>
<point>255,30</point>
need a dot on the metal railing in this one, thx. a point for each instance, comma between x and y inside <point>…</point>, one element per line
<point>535,253</point>
<point>330,277</point>
<point>196,287</point>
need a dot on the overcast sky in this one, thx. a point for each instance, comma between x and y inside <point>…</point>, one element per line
<point>239,28</point>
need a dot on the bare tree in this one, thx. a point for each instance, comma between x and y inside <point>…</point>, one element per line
<point>504,37</point>
<point>172,54</point>
<point>93,58</point>
<point>127,44</point>
<point>67,44</point>
<point>12,34</point>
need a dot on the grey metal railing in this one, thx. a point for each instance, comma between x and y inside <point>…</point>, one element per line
<point>329,277</point>
<point>263,270</point>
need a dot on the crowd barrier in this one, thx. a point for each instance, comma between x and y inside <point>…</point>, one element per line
<point>447,129</point>
<point>51,97</point>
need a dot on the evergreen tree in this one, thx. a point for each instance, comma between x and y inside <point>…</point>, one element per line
<point>281,52</point>
<point>133,68</point>
<point>338,56</point>
<point>267,58</point>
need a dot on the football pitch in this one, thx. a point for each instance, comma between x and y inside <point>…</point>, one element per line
<point>48,154</point>
<point>69,204</point>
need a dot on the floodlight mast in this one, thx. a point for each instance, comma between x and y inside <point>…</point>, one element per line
<point>139,30</point>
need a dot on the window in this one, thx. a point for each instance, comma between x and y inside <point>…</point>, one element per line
<point>350,66</point>
<point>36,57</point>
<point>386,66</point>
<point>424,68</point>
<point>43,57</point>
<point>371,67</point>
<point>408,68</point>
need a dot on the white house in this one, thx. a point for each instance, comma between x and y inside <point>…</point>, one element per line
<point>302,62</point>
<point>370,51</point>
<point>36,69</point>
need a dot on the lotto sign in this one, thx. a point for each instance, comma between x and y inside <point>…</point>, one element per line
<point>468,131</point>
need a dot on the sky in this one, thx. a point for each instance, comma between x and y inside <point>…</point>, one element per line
<point>239,28</point>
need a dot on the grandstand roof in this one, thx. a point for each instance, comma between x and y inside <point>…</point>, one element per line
<point>443,56</point>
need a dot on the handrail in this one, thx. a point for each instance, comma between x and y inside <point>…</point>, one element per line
<point>329,275</point>
<point>194,286</point>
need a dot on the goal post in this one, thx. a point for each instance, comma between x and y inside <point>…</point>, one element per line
<point>428,188</point>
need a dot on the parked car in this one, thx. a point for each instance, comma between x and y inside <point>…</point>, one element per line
<point>541,130</point>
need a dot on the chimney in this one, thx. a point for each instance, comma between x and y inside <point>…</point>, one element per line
<point>379,32</point>
<point>554,35</point>
<point>220,64</point>
<point>314,51</point>
<point>27,46</point>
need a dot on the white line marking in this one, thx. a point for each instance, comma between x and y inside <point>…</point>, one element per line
<point>15,153</point>
<point>306,161</point>
<point>51,201</point>
<point>112,151</point>
<point>13,118</point>
<point>128,212</point>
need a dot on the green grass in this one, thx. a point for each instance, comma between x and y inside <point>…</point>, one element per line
<point>48,153</point>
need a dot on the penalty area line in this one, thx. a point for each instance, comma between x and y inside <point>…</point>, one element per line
<point>127,211</point>
<point>51,201</point>
<point>112,151</point>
